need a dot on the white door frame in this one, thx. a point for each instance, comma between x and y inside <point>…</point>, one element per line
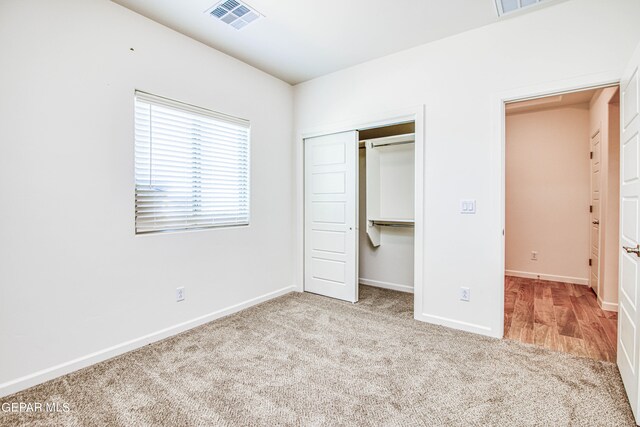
<point>415,114</point>
<point>591,81</point>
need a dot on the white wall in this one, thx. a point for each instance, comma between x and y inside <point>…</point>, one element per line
<point>548,182</point>
<point>459,80</point>
<point>74,279</point>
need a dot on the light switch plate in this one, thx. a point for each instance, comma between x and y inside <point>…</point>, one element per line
<point>468,206</point>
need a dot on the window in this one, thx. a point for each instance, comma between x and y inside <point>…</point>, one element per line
<point>191,167</point>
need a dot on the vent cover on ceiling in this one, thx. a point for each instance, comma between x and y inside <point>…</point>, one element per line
<point>509,6</point>
<point>234,12</point>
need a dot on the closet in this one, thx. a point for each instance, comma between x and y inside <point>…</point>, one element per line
<point>386,206</point>
<point>359,211</point>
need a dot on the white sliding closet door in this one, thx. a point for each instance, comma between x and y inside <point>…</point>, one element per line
<point>330,215</point>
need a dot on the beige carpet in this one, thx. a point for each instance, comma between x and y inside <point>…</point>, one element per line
<point>306,360</point>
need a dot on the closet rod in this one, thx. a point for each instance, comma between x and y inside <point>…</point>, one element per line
<point>393,143</point>
<point>390,143</point>
<point>408,138</point>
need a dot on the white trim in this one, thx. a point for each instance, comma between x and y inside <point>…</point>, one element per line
<point>550,277</point>
<point>458,324</point>
<point>43,375</point>
<point>415,114</point>
<point>387,285</point>
<point>367,122</point>
<point>498,159</point>
<point>608,306</point>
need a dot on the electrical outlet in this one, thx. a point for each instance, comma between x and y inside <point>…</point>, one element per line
<point>465,294</point>
<point>534,255</point>
<point>180,294</point>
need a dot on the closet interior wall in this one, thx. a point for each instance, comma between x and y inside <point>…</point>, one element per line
<point>391,264</point>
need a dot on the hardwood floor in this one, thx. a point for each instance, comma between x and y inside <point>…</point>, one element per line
<point>559,316</point>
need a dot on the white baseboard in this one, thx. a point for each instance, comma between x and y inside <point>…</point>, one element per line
<point>387,285</point>
<point>457,324</point>
<point>41,376</point>
<point>550,277</point>
<point>608,306</point>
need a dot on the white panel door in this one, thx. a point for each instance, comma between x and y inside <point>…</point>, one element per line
<point>628,319</point>
<point>330,215</point>
<point>594,255</point>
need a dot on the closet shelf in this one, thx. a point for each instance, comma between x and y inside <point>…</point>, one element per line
<point>392,222</point>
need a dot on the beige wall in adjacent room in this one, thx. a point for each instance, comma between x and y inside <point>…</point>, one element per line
<point>547,193</point>
<point>605,117</point>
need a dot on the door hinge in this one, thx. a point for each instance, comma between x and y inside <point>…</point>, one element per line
<point>591,154</point>
<point>590,208</point>
<point>589,261</point>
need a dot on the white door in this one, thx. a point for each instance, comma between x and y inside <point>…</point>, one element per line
<point>628,319</point>
<point>594,261</point>
<point>330,215</point>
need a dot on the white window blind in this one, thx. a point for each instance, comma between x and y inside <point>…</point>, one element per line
<point>191,166</point>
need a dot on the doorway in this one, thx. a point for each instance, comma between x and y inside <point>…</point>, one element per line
<point>562,159</point>
<point>386,210</point>
<point>360,209</point>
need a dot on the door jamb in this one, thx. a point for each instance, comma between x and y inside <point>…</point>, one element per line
<point>415,114</point>
<point>591,136</point>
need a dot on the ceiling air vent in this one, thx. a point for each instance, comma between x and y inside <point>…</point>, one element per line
<point>509,6</point>
<point>234,12</point>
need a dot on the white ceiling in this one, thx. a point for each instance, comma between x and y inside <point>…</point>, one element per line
<point>302,39</point>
